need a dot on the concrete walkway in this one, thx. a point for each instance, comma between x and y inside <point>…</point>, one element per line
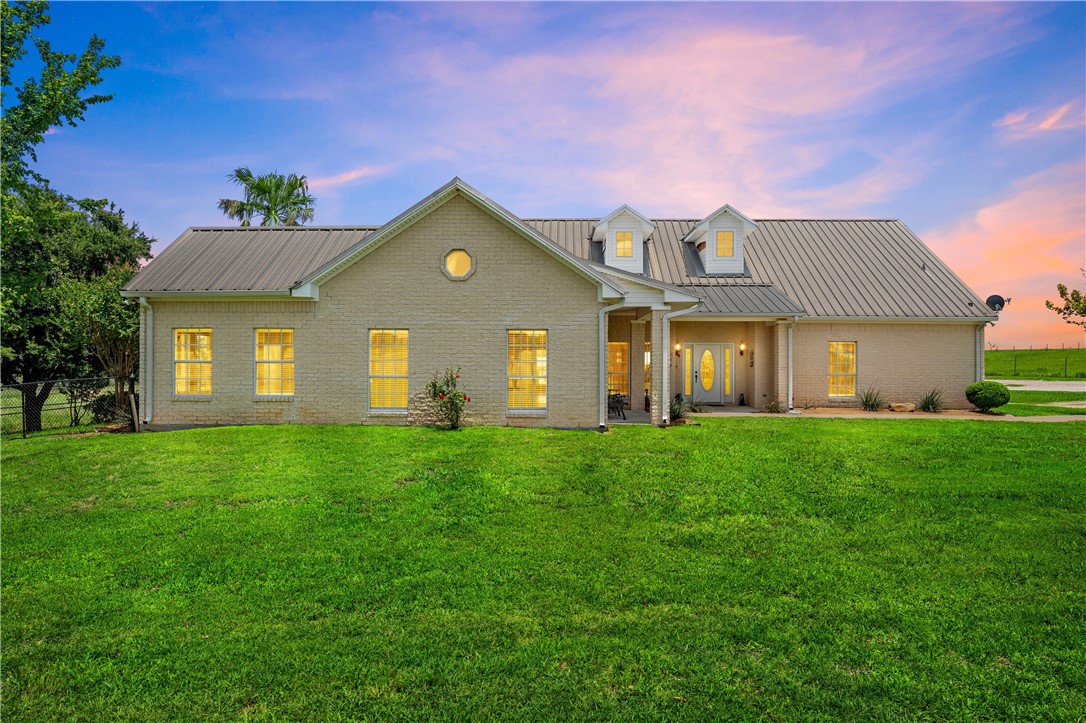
<point>1043,385</point>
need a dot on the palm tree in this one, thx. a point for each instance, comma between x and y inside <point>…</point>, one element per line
<point>279,200</point>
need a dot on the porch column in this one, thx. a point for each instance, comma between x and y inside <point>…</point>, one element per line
<point>780,355</point>
<point>637,364</point>
<point>661,365</point>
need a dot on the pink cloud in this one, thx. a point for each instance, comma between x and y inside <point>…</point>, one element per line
<point>345,177</point>
<point>699,112</point>
<point>1036,122</point>
<point>1021,246</point>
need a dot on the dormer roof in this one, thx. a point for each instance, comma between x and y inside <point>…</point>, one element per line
<point>702,227</point>
<point>599,233</point>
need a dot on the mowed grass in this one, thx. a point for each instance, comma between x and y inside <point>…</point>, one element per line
<point>743,569</point>
<point>1035,403</point>
<point>1035,364</point>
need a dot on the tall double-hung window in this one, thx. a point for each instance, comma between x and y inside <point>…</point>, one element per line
<point>388,370</point>
<point>527,366</point>
<point>842,370</point>
<point>274,362</point>
<point>618,368</point>
<point>192,361</point>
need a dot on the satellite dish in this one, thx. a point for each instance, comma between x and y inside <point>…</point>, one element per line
<point>995,302</point>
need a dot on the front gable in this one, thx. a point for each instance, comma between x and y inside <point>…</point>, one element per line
<point>310,286</point>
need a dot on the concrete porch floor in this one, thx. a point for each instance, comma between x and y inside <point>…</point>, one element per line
<point>640,416</point>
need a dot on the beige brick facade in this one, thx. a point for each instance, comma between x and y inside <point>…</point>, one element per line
<point>400,285</point>
<point>514,285</point>
<point>903,361</point>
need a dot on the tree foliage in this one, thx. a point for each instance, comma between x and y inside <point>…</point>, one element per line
<point>276,199</point>
<point>108,322</point>
<point>54,97</point>
<point>1073,308</point>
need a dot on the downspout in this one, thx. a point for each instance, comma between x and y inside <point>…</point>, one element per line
<point>603,361</point>
<point>148,364</point>
<point>980,353</point>
<point>665,400</point>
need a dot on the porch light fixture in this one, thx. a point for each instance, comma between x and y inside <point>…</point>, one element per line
<point>678,349</point>
<point>742,347</point>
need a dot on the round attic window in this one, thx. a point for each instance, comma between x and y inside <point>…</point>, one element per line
<point>458,265</point>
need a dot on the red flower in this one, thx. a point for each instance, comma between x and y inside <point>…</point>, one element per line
<point>457,376</point>
<point>440,396</point>
<point>467,399</point>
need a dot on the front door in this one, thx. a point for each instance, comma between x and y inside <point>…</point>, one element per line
<point>711,367</point>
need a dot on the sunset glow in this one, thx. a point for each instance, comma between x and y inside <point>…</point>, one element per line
<point>966,121</point>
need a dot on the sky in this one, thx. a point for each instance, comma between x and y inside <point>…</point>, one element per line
<point>966,121</point>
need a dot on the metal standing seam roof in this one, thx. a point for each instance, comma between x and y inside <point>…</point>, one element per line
<point>838,269</point>
<point>244,259</point>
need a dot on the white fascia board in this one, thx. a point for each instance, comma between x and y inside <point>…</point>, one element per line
<point>703,226</point>
<point>900,320</point>
<point>205,295</point>
<point>647,226</point>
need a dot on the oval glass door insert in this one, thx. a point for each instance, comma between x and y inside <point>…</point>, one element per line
<point>708,370</point>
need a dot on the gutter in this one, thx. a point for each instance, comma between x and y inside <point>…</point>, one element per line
<point>148,364</point>
<point>665,401</point>
<point>603,361</point>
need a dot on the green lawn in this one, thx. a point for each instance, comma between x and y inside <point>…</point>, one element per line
<point>1038,364</point>
<point>785,569</point>
<point>1030,403</point>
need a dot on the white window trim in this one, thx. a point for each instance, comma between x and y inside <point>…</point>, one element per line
<point>173,366</point>
<point>528,411</point>
<point>281,397</point>
<point>389,411</point>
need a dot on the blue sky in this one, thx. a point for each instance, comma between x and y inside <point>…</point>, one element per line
<point>966,121</point>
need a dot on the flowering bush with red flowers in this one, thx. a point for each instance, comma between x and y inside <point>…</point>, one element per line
<point>444,389</point>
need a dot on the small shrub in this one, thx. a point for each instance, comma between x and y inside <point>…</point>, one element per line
<point>871,400</point>
<point>450,400</point>
<point>775,407</point>
<point>681,408</point>
<point>807,404</point>
<point>986,396</point>
<point>104,409</point>
<point>932,401</point>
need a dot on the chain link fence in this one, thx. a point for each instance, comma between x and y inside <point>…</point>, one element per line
<point>65,405</point>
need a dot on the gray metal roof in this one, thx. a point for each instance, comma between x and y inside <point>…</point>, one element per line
<point>744,300</point>
<point>838,269</point>
<point>244,259</point>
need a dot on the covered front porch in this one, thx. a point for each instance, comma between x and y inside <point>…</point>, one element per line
<point>729,365</point>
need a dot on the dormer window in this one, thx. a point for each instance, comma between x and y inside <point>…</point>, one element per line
<point>725,244</point>
<point>719,240</point>
<point>622,236</point>
<point>624,244</point>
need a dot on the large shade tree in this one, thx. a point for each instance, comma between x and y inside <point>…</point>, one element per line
<point>46,237</point>
<point>275,199</point>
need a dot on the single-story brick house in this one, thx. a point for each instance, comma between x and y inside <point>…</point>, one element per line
<point>546,317</point>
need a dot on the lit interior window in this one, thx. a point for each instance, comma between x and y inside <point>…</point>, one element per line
<point>618,368</point>
<point>648,367</point>
<point>388,369</point>
<point>688,388</point>
<point>624,243</point>
<point>192,361</point>
<point>725,243</point>
<point>274,361</point>
<point>457,263</point>
<point>842,370</point>
<point>527,358</point>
